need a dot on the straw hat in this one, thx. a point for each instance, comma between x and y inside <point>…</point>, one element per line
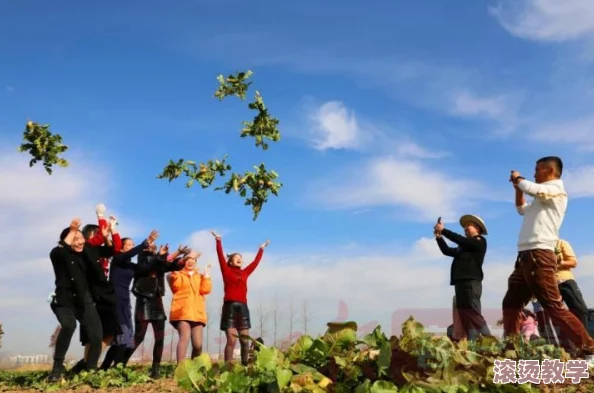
<point>465,219</point>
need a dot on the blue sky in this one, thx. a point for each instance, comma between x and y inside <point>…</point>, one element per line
<point>391,115</point>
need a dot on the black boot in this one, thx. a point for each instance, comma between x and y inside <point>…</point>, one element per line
<point>78,367</point>
<point>110,356</point>
<point>57,371</point>
<point>128,352</point>
<point>155,371</point>
<point>120,355</point>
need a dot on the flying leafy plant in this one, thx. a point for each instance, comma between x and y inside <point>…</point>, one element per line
<point>43,146</point>
<point>258,183</point>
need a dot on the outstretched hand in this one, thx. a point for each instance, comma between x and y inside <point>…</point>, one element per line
<point>105,231</point>
<point>152,236</point>
<point>183,249</point>
<point>207,270</point>
<point>216,235</point>
<point>438,227</point>
<point>164,249</point>
<point>75,224</point>
<point>113,223</point>
<point>100,210</point>
<point>265,244</point>
<point>514,175</point>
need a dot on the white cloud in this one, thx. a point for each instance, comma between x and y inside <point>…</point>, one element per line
<point>578,132</point>
<point>334,127</point>
<point>413,150</point>
<point>498,108</point>
<point>547,20</point>
<point>389,181</point>
<point>580,182</point>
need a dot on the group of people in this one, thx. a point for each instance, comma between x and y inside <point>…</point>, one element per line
<point>94,275</point>
<point>94,272</point>
<point>541,275</point>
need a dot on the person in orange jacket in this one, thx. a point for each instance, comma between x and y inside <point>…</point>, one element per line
<point>188,305</point>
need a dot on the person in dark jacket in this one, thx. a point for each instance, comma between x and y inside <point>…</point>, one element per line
<point>121,273</point>
<point>72,299</point>
<point>102,290</point>
<point>149,290</point>
<point>467,271</point>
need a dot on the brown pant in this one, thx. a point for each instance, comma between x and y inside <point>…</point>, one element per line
<point>534,274</point>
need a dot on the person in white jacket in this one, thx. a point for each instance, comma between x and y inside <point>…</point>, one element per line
<point>535,269</point>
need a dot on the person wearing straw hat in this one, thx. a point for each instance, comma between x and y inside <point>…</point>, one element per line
<point>466,273</point>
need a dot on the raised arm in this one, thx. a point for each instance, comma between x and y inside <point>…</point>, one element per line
<point>220,253</point>
<point>445,249</point>
<point>206,282</point>
<point>106,251</point>
<point>74,229</point>
<point>252,266</point>
<point>115,235</point>
<point>138,249</point>
<point>541,191</point>
<point>475,243</point>
<point>181,250</point>
<point>521,204</point>
<point>99,237</point>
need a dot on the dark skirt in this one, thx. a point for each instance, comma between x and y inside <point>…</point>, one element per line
<point>149,309</point>
<point>126,337</point>
<point>109,322</point>
<point>235,315</point>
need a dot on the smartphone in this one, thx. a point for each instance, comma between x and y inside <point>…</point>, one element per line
<point>439,220</point>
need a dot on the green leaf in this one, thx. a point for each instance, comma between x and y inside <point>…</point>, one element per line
<point>384,359</point>
<point>383,387</point>
<point>283,377</point>
<point>202,362</point>
<point>364,387</point>
<point>268,358</point>
<point>188,375</point>
<point>376,338</point>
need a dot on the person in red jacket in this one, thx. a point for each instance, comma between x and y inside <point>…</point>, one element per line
<point>235,316</point>
<point>95,235</point>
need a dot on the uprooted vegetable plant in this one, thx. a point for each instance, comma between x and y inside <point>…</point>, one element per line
<point>417,361</point>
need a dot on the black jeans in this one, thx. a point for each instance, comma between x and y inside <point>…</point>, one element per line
<point>468,304</point>
<point>89,321</point>
<point>572,296</point>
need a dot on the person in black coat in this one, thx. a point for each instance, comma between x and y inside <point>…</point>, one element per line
<point>149,290</point>
<point>73,300</point>
<point>102,290</point>
<point>467,271</point>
